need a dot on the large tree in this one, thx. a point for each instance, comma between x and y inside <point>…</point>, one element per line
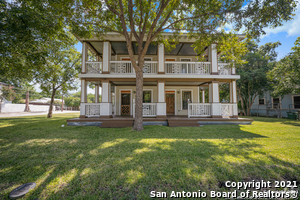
<point>27,30</point>
<point>254,81</point>
<point>285,76</point>
<point>145,20</point>
<point>59,72</point>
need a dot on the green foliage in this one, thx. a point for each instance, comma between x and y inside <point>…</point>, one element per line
<point>72,101</point>
<point>8,93</point>
<point>253,74</point>
<point>27,30</point>
<point>285,76</point>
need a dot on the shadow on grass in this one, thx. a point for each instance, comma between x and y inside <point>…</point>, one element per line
<point>95,163</point>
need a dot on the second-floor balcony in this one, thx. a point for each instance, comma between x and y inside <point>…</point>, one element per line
<point>151,67</point>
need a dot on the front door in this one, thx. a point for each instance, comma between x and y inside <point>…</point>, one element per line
<point>125,103</point>
<point>170,103</point>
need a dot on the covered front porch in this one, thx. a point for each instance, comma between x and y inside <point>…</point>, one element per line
<point>161,98</point>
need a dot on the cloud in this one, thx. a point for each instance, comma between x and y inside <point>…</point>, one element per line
<point>290,27</point>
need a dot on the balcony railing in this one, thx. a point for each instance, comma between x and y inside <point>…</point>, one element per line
<point>204,109</point>
<point>187,67</point>
<point>149,109</point>
<point>125,67</point>
<point>226,110</point>
<point>93,67</point>
<point>199,110</point>
<point>91,109</point>
<point>224,69</point>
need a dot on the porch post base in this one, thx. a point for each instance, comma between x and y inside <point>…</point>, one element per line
<point>161,116</point>
<point>216,116</point>
<point>105,72</point>
<point>82,116</point>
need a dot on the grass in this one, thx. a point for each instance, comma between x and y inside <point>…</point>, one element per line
<point>94,163</point>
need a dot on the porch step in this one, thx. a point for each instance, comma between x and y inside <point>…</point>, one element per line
<point>116,123</point>
<point>178,123</point>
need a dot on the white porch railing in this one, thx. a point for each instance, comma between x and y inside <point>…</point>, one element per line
<point>226,110</point>
<point>199,110</point>
<point>125,67</point>
<point>92,109</point>
<point>224,69</point>
<point>149,109</point>
<point>187,67</point>
<point>93,67</point>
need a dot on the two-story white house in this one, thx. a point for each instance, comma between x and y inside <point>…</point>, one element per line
<point>174,85</point>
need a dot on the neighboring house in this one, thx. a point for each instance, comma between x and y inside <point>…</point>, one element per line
<point>4,101</point>
<point>267,105</point>
<point>43,101</point>
<point>174,83</point>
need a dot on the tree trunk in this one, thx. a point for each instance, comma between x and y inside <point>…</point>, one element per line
<point>51,104</point>
<point>138,121</point>
<point>27,109</point>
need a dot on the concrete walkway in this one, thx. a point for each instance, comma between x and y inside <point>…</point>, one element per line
<point>20,114</point>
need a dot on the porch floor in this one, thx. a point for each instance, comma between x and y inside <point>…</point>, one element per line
<point>118,121</point>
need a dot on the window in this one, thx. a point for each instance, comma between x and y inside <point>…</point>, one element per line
<point>125,59</point>
<point>276,103</point>
<point>147,59</point>
<point>261,101</point>
<point>147,96</point>
<point>186,97</point>
<point>296,102</point>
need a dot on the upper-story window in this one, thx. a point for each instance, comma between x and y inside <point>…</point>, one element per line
<point>147,59</point>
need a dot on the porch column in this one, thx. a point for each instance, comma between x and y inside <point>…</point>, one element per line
<point>214,99</point>
<point>161,111</point>
<point>233,98</point>
<point>161,59</point>
<point>203,96</point>
<point>106,105</point>
<point>83,98</point>
<point>96,93</point>
<point>213,58</point>
<point>106,57</point>
<point>84,57</point>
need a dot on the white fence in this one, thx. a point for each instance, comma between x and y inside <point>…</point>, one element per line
<point>224,69</point>
<point>6,108</point>
<point>93,67</point>
<point>149,109</point>
<point>199,110</point>
<point>187,67</point>
<point>125,67</point>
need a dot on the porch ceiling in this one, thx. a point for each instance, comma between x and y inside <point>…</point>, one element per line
<point>119,48</point>
<point>154,83</point>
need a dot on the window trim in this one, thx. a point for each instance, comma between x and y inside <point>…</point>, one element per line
<point>121,58</point>
<point>261,104</point>
<point>148,58</point>
<point>293,102</point>
<point>151,90</point>
<point>181,90</point>
<point>273,103</point>
<point>190,60</point>
<point>170,58</point>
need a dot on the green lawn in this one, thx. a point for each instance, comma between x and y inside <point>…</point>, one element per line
<point>117,163</point>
